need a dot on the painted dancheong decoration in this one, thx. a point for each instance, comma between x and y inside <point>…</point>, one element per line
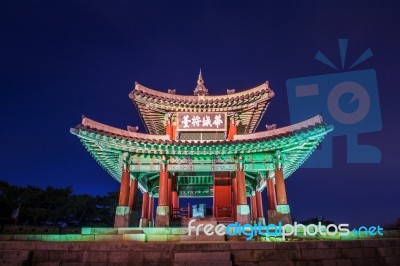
<point>201,145</point>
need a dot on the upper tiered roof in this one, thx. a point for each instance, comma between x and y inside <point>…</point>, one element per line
<point>248,105</point>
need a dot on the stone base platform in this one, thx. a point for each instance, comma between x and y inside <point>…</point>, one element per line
<point>352,252</point>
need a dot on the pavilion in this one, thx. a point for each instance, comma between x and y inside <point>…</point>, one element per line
<point>201,145</point>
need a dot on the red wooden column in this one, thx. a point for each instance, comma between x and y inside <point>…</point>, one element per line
<point>271,195</point>
<point>144,221</point>
<point>174,126</point>
<point>124,188</point>
<point>282,207</point>
<point>150,211</point>
<point>122,211</point>
<point>234,195</point>
<point>169,185</point>
<point>133,194</point>
<point>253,205</point>
<point>260,210</point>
<point>232,128</point>
<point>242,209</point>
<point>280,187</point>
<point>174,194</point>
<point>163,212</point>
<point>169,129</point>
<point>132,203</point>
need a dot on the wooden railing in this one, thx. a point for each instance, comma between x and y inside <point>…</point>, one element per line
<point>181,212</point>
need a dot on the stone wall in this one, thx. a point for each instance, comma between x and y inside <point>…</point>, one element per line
<point>31,229</point>
<point>355,252</point>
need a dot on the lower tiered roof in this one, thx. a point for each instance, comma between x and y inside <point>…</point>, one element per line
<point>194,161</point>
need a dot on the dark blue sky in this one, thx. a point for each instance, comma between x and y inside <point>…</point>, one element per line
<point>62,59</point>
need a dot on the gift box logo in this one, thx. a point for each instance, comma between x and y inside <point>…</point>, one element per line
<point>348,100</point>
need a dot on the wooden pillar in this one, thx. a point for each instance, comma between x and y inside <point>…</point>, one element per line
<point>122,211</point>
<point>214,208</point>
<point>232,129</point>
<point>169,185</point>
<point>169,129</point>
<point>241,188</point>
<point>173,127</point>
<point>124,188</point>
<point>150,210</point>
<point>163,189</point>
<point>133,194</point>
<point>271,194</point>
<point>163,210</point>
<point>281,198</point>
<point>174,193</point>
<point>253,204</point>
<point>282,213</point>
<point>242,209</point>
<point>144,221</point>
<point>234,195</point>
<point>260,211</point>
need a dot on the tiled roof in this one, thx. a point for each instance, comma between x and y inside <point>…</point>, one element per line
<point>249,105</point>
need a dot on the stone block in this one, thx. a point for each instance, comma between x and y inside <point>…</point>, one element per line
<point>202,256</point>
<point>205,263</point>
<point>27,237</point>
<point>359,253</point>
<point>65,256</point>
<point>339,262</point>
<point>173,238</point>
<point>378,243</point>
<point>134,237</point>
<point>152,238</point>
<point>243,214</point>
<point>144,222</point>
<point>95,256</point>
<point>40,255</point>
<point>123,246</point>
<point>389,251</point>
<point>277,263</point>
<point>180,247</point>
<point>303,254</point>
<point>243,255</point>
<point>129,230</point>
<point>274,217</point>
<point>179,231</point>
<point>122,215</point>
<point>104,231</point>
<point>268,255</point>
<point>202,237</point>
<point>338,244</point>
<point>157,231</point>
<point>391,260</point>
<point>14,255</point>
<point>327,253</point>
<point>6,237</point>
<point>252,245</point>
<point>162,216</point>
<point>156,257</point>
<point>118,256</point>
<point>365,261</point>
<point>107,237</point>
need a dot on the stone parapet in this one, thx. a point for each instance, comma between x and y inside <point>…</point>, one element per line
<point>355,252</point>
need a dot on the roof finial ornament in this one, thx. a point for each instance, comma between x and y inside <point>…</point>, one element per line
<point>200,89</point>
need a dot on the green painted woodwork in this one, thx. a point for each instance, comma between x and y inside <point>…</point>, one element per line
<point>258,157</point>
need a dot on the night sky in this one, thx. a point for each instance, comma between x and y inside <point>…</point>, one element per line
<point>62,59</point>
